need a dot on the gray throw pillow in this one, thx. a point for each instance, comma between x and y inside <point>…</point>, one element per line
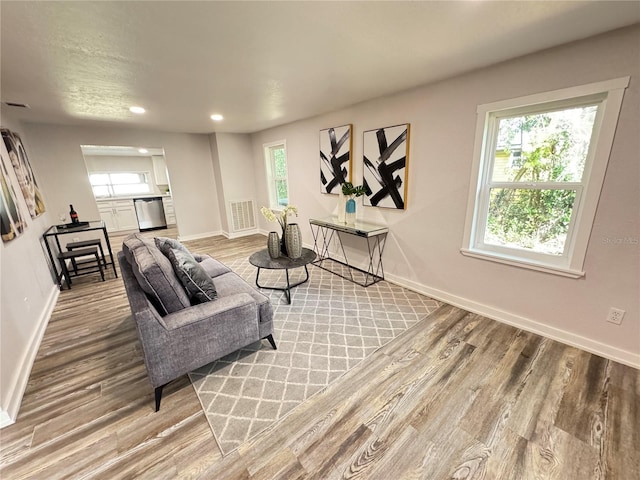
<point>194,278</point>
<point>164,243</point>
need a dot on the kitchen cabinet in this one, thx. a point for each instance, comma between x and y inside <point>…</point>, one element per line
<point>160,170</point>
<point>118,215</point>
<point>169,212</point>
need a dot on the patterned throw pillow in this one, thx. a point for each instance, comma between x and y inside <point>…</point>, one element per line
<point>196,282</point>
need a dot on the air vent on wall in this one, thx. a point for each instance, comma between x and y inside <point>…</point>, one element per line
<point>242,215</point>
<point>15,104</point>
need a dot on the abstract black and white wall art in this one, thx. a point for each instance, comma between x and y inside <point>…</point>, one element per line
<point>385,158</point>
<point>24,173</point>
<point>11,222</point>
<point>335,158</point>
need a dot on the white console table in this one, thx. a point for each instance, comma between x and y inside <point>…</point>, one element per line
<point>375,236</point>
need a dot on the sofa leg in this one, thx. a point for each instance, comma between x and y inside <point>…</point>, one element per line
<point>158,392</point>
<point>271,341</point>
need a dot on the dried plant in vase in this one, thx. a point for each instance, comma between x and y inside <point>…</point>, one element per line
<point>280,216</point>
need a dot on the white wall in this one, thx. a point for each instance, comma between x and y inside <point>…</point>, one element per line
<point>57,153</point>
<point>423,249</point>
<point>235,161</point>
<point>27,291</point>
<point>215,159</point>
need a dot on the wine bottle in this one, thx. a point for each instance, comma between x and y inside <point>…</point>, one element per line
<point>73,215</point>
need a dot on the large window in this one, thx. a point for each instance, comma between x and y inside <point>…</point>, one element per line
<point>115,184</point>
<point>540,163</point>
<point>276,159</point>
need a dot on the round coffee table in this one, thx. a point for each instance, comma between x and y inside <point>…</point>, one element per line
<point>262,259</point>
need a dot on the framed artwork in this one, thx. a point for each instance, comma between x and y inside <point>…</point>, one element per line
<point>11,222</point>
<point>335,158</point>
<point>24,173</point>
<point>385,169</point>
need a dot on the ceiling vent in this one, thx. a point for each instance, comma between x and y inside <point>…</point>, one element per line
<point>15,104</point>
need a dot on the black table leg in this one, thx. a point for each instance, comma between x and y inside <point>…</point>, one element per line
<point>111,257</point>
<point>287,290</point>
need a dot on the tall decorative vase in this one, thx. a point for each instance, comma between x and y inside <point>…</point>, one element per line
<point>293,240</point>
<point>342,207</point>
<point>273,244</point>
<point>350,209</point>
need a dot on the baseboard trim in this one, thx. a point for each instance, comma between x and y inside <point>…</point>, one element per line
<point>198,236</point>
<point>16,392</point>
<point>246,233</point>
<point>5,419</point>
<point>612,353</point>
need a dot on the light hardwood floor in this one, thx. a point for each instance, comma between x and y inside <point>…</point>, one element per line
<point>457,396</point>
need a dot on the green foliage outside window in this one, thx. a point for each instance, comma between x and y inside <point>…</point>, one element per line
<point>280,167</point>
<point>553,148</point>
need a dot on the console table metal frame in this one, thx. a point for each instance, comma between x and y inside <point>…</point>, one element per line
<point>323,232</point>
<point>262,259</point>
<point>56,230</point>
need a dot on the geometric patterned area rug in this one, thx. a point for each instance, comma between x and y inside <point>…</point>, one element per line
<point>330,327</point>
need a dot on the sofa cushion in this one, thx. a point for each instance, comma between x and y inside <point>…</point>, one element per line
<point>213,267</point>
<point>231,283</point>
<point>155,274</point>
<point>194,279</point>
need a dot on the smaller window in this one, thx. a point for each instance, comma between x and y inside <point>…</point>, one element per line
<point>276,159</point>
<point>115,184</point>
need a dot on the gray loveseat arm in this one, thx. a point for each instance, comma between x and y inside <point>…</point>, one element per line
<point>190,338</point>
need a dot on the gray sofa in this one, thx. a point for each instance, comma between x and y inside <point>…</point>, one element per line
<point>176,335</point>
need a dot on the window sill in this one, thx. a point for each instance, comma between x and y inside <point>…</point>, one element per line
<point>521,263</point>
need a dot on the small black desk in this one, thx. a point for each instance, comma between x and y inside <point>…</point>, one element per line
<point>262,259</point>
<point>55,231</point>
<point>376,236</point>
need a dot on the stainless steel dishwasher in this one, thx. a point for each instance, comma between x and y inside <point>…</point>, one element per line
<point>150,213</point>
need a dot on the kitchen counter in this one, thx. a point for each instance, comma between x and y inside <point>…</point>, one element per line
<point>119,213</point>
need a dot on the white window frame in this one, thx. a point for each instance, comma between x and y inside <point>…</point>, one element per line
<point>112,194</point>
<point>608,96</point>
<point>271,173</point>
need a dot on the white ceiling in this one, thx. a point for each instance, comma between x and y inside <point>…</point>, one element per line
<point>260,64</point>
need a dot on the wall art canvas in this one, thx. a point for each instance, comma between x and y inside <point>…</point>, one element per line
<point>385,170</point>
<point>11,221</point>
<point>335,158</point>
<point>24,173</point>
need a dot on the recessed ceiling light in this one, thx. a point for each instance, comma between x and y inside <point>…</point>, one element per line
<point>138,110</point>
<point>143,150</point>
<point>216,117</point>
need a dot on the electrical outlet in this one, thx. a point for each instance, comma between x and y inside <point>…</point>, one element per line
<point>615,315</point>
